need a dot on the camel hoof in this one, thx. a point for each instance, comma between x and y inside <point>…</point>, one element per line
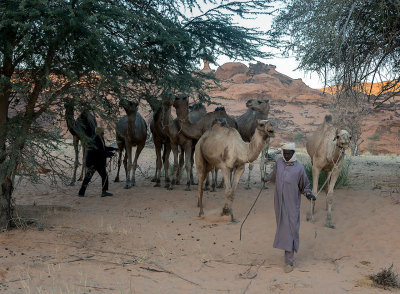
<point>116,180</point>
<point>226,211</point>
<point>157,184</point>
<point>127,186</point>
<point>188,189</point>
<point>247,187</point>
<point>206,188</point>
<point>71,184</point>
<point>213,189</point>
<point>330,225</point>
<point>153,180</point>
<point>201,214</point>
<point>170,187</point>
<point>221,186</point>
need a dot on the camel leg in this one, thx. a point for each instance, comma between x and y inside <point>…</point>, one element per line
<point>264,153</point>
<point>139,149</point>
<point>167,152</point>
<point>128,166</point>
<point>329,196</point>
<point>176,167</point>
<point>236,177</point>
<point>181,164</point>
<point>222,183</point>
<point>83,161</point>
<point>227,210</point>
<point>156,178</point>
<point>207,184</point>
<point>214,179</point>
<point>76,163</point>
<point>249,176</point>
<point>201,174</point>
<point>315,175</point>
<point>191,165</point>
<point>119,165</point>
<point>188,163</point>
<point>326,188</point>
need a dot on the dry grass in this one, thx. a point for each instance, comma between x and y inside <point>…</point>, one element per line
<point>386,278</point>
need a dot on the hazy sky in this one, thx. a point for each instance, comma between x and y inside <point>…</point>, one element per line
<point>285,66</point>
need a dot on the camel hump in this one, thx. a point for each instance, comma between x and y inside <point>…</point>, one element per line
<point>219,108</point>
<point>328,118</point>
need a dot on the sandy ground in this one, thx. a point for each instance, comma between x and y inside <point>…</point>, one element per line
<point>150,240</point>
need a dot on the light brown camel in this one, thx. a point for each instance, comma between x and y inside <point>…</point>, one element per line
<point>131,130</point>
<point>326,148</point>
<point>178,140</point>
<point>247,124</point>
<point>222,147</point>
<point>194,129</point>
<point>161,143</point>
<point>82,129</point>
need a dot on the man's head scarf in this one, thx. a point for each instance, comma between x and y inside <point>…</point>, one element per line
<point>289,146</point>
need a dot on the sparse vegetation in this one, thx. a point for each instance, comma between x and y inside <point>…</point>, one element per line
<point>342,181</point>
<point>298,137</point>
<point>375,137</point>
<point>386,278</point>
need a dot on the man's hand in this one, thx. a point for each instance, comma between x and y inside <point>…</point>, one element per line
<point>265,180</point>
<point>311,196</point>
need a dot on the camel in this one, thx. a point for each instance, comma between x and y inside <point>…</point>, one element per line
<point>194,129</point>
<point>326,148</point>
<point>222,147</point>
<point>131,130</point>
<point>247,123</point>
<point>82,129</point>
<point>177,139</point>
<point>161,142</point>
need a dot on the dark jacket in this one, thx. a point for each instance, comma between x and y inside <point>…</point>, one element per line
<point>97,152</point>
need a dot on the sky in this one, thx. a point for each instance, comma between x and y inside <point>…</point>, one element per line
<point>283,65</point>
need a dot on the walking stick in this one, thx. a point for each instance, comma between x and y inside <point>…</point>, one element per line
<point>241,226</point>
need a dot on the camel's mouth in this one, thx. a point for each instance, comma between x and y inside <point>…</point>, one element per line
<point>271,133</point>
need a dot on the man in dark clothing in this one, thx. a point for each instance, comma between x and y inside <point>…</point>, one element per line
<point>290,180</point>
<point>96,156</point>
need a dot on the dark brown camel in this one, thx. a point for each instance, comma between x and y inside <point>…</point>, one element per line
<point>177,140</point>
<point>82,129</point>
<point>247,124</point>
<point>196,112</point>
<point>195,130</point>
<point>161,143</point>
<point>131,130</point>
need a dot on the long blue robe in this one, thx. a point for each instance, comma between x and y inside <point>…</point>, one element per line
<point>290,181</point>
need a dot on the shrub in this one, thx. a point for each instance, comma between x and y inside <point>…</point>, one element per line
<point>342,181</point>
<point>375,137</point>
<point>298,137</point>
<point>386,278</point>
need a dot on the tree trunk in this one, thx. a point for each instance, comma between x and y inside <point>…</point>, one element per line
<point>6,207</point>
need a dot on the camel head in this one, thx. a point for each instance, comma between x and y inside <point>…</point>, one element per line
<point>265,127</point>
<point>342,138</point>
<point>181,101</point>
<point>258,105</point>
<point>220,121</point>
<point>197,107</point>
<point>129,106</point>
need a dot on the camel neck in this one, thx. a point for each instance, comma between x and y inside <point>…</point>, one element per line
<point>256,145</point>
<point>131,124</point>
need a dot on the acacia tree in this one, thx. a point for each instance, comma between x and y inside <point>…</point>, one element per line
<point>97,52</point>
<point>350,44</point>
